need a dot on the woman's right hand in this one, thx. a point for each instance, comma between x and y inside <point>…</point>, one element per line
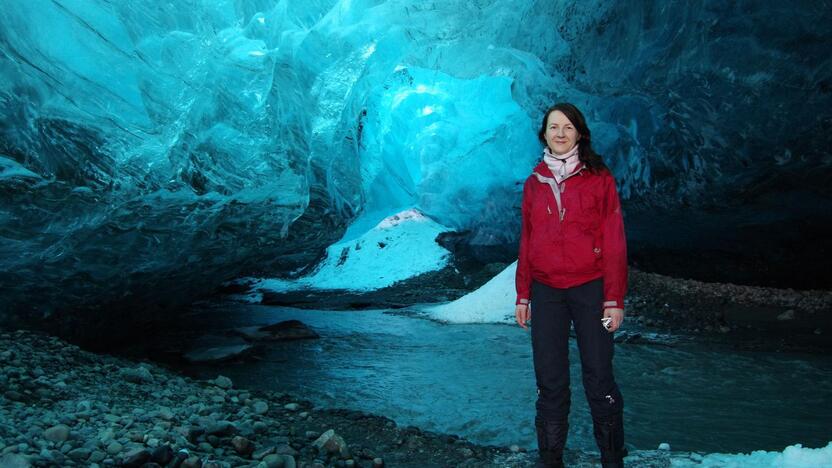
<point>522,314</point>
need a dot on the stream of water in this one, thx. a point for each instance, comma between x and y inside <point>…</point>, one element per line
<point>477,381</point>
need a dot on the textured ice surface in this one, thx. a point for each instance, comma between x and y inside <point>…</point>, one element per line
<point>399,247</point>
<point>152,150</point>
<point>793,456</point>
<point>492,302</point>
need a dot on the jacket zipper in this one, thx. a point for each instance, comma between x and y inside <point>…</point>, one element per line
<point>556,191</point>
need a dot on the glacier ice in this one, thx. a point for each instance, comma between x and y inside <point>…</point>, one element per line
<point>399,247</point>
<point>151,151</point>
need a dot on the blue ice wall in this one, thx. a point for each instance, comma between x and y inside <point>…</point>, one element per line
<point>151,150</point>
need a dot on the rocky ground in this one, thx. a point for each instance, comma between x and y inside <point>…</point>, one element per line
<point>742,317</point>
<point>62,406</point>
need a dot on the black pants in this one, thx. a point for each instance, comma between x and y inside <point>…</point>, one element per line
<point>552,310</point>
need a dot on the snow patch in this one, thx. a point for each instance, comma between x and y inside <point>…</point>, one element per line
<point>794,456</point>
<point>493,302</point>
<point>401,246</point>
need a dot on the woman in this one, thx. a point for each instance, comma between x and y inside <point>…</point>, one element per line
<point>572,267</point>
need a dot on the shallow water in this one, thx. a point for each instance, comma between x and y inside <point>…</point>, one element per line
<point>477,381</point>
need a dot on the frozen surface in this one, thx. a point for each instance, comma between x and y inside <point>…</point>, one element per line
<point>399,247</point>
<point>492,302</point>
<point>793,456</point>
<point>149,151</point>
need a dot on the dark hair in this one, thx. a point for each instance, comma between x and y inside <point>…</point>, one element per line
<point>587,155</point>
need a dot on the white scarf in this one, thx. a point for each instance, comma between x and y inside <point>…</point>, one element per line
<point>561,165</point>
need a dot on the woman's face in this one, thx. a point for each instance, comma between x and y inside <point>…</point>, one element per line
<point>561,135</point>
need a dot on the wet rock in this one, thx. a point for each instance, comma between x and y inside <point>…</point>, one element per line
<point>281,331</point>
<point>59,433</point>
<point>330,442</point>
<point>217,354</point>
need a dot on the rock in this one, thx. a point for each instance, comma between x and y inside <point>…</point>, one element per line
<point>664,446</point>
<point>260,407</point>
<point>285,449</point>
<point>79,454</point>
<point>787,315</point>
<point>281,331</point>
<point>97,456</point>
<point>330,442</point>
<point>193,433</point>
<point>262,453</point>
<point>221,429</point>
<point>217,354</point>
<point>303,414</point>
<point>59,433</point>
<point>291,406</point>
<point>13,460</point>
<point>138,375</point>
<point>724,329</point>
<point>114,448</point>
<point>260,426</point>
<point>274,461</point>
<point>818,331</point>
<point>466,452</point>
<point>514,448</point>
<point>378,463</point>
<point>242,446</point>
<point>136,458</point>
<point>162,455</point>
<point>191,462</point>
<point>223,382</point>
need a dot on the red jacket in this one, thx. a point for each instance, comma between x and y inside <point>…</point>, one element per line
<point>573,232</point>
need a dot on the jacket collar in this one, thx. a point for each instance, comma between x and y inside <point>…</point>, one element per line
<point>543,170</point>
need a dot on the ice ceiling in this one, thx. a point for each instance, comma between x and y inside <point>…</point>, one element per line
<point>151,150</point>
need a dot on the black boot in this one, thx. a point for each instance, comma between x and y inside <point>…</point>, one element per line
<point>609,435</point>
<point>551,438</point>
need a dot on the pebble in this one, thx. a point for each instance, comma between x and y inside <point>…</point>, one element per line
<point>80,454</point>
<point>242,446</point>
<point>291,406</point>
<point>261,407</point>
<point>114,448</point>
<point>58,433</point>
<point>330,442</point>
<point>664,446</point>
<point>137,375</point>
<point>223,382</point>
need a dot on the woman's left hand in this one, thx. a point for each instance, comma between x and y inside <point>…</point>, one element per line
<point>617,316</point>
